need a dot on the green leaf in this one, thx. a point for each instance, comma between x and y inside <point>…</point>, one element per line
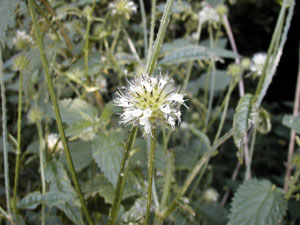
<point>195,52</point>
<point>263,124</point>
<point>292,122</point>
<point>81,153</point>
<point>243,119</point>
<point>72,212</point>
<point>107,150</point>
<point>178,7</point>
<point>257,202</point>
<point>212,213</point>
<point>32,200</point>
<point>76,110</point>
<point>221,81</point>
<point>7,8</point>
<point>136,214</point>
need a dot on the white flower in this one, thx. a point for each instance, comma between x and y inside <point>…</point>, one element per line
<point>52,141</point>
<point>22,39</point>
<point>208,14</point>
<point>149,101</point>
<point>258,62</point>
<point>122,7</point>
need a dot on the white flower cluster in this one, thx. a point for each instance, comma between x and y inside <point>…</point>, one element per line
<point>150,101</point>
<point>22,36</point>
<point>208,14</point>
<point>123,7</point>
<point>258,62</point>
<point>52,141</point>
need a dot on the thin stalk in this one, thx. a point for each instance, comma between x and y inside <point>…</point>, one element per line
<point>144,21</point>
<point>248,167</point>
<point>151,62</point>
<point>227,98</point>
<point>292,186</point>
<point>150,174</point>
<point>167,186</point>
<point>57,113</point>
<point>293,133</point>
<point>116,36</point>
<point>4,136</point>
<point>14,202</point>
<point>122,178</point>
<point>205,159</point>
<point>152,26</point>
<point>42,167</point>
<point>7,217</point>
<point>198,181</point>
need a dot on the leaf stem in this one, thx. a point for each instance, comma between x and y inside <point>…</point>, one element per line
<point>4,135</point>
<point>152,60</point>
<point>150,174</point>
<point>152,26</point>
<point>14,201</point>
<point>57,113</point>
<point>144,21</point>
<point>248,166</point>
<point>122,178</point>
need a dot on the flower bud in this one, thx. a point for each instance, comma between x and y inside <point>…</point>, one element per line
<point>222,9</point>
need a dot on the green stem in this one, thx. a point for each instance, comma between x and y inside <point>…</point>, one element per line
<point>144,21</point>
<point>205,159</point>
<point>57,113</point>
<point>14,202</point>
<point>151,62</point>
<point>122,178</point>
<point>227,98</point>
<point>4,135</point>
<point>116,36</point>
<point>248,169</point>
<point>151,38</point>
<point>42,167</point>
<point>150,174</point>
<point>292,186</point>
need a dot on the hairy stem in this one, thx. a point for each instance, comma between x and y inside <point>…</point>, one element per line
<point>152,26</point>
<point>144,21</point>
<point>150,174</point>
<point>122,178</point>
<point>57,113</point>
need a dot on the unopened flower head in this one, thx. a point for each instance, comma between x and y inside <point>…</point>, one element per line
<point>150,101</point>
<point>123,7</point>
<point>208,14</point>
<point>258,62</point>
<point>22,39</point>
<point>52,142</point>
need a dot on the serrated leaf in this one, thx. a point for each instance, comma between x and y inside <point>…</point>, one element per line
<point>257,202</point>
<point>81,153</point>
<point>76,110</point>
<point>7,8</point>
<point>292,122</point>
<point>195,52</point>
<point>107,150</point>
<point>242,119</point>
<point>31,201</point>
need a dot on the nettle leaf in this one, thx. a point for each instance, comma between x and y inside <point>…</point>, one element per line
<point>257,202</point>
<point>7,8</point>
<point>81,153</point>
<point>57,176</point>
<point>195,52</point>
<point>243,119</point>
<point>76,110</point>
<point>31,201</point>
<point>292,122</point>
<point>221,81</point>
<point>107,150</point>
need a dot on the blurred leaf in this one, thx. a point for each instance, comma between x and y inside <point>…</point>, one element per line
<point>292,122</point>
<point>7,8</point>
<point>243,119</point>
<point>221,81</point>
<point>195,52</point>
<point>81,153</point>
<point>107,150</point>
<point>72,212</point>
<point>32,200</point>
<point>106,114</point>
<point>257,202</point>
<point>263,124</point>
<point>136,214</point>
<point>178,7</point>
<point>75,110</point>
<point>212,213</point>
